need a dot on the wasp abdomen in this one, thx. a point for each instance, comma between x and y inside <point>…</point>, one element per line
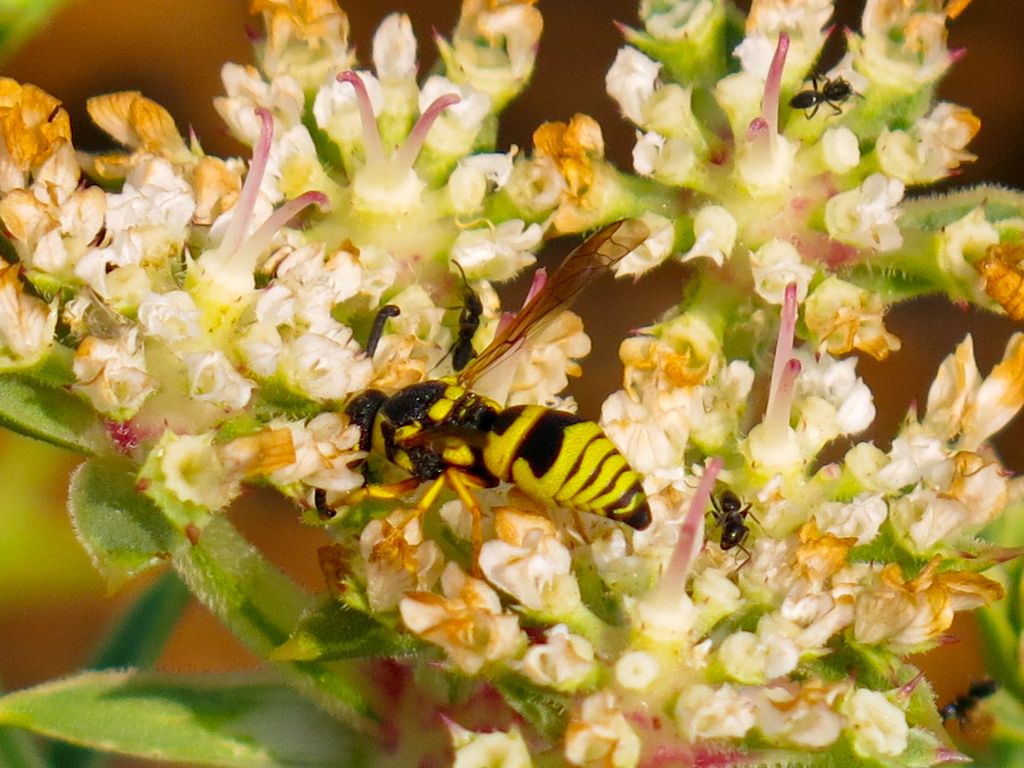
<point>562,458</point>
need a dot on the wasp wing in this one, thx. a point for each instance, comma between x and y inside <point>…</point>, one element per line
<point>591,259</point>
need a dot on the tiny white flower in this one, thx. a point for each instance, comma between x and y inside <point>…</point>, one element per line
<point>192,470</point>
<point>497,253</point>
<point>840,149</point>
<point>326,367</point>
<point>859,519</point>
<point>865,217</point>
<point>455,130</point>
<point>170,317</point>
<point>775,265</point>
<point>246,89</point>
<point>529,563</point>
<point>836,383</point>
<point>565,661</point>
<point>929,518</point>
<point>494,749</point>
<point>398,559</point>
<point>714,230</point>
<point>600,735</point>
<point>630,81</point>
<point>879,726</point>
<point>27,324</point>
<point>112,374</point>
<point>394,48</point>
<point>468,622</point>
<point>213,378</point>
<point>721,712</point>
<point>652,251</point>
<point>326,452</point>
<point>804,718</point>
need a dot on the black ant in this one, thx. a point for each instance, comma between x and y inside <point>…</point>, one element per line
<point>377,329</point>
<point>730,515</point>
<point>469,320</point>
<point>963,706</point>
<point>831,92</point>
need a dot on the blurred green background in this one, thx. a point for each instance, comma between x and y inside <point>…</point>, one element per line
<point>53,606</point>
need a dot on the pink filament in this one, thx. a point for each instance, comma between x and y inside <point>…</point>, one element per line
<point>673,580</point>
<point>407,153</point>
<point>371,134</point>
<point>250,189</point>
<point>255,245</point>
<point>773,84</point>
<point>783,345</point>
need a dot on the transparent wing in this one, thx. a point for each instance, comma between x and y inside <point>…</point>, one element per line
<point>595,256</point>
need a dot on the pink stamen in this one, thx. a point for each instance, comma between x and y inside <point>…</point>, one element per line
<point>783,345</point>
<point>778,417</point>
<point>673,580</point>
<point>773,84</point>
<point>260,239</point>
<point>250,189</point>
<point>371,134</point>
<point>407,153</point>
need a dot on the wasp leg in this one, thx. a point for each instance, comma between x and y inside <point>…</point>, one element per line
<point>383,490</point>
<point>461,483</point>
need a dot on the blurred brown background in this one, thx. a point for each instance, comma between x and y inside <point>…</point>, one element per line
<point>172,52</point>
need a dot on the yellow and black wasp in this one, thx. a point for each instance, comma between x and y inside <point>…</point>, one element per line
<point>440,430</point>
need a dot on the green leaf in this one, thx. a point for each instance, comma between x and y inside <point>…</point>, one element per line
<point>136,641</point>
<point>335,631</point>
<point>230,720</point>
<point>123,531</point>
<point>126,532</point>
<point>139,637</point>
<point>18,750</point>
<point>544,709</point>
<point>51,414</point>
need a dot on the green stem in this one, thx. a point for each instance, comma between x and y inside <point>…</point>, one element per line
<point>262,607</point>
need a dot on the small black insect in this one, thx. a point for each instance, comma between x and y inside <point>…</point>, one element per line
<point>831,92</point>
<point>377,329</point>
<point>469,320</point>
<point>322,507</point>
<point>731,516</point>
<point>962,706</point>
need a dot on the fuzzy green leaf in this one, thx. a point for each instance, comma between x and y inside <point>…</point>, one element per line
<point>262,607</point>
<point>50,413</point>
<point>335,631</point>
<point>19,750</point>
<point>136,640</point>
<point>123,531</point>
<point>544,709</point>
<point>248,722</point>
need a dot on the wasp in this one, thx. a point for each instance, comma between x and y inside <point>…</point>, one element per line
<point>963,706</point>
<point>831,92</point>
<point>730,515</point>
<point>440,430</point>
<point>1003,272</point>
